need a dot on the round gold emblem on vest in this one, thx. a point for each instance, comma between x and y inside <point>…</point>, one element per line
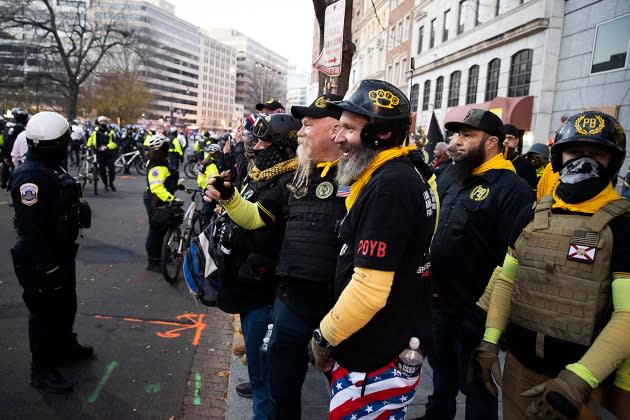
<point>479,193</point>
<point>324,190</point>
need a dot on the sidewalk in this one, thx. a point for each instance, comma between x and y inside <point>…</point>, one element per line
<point>216,397</point>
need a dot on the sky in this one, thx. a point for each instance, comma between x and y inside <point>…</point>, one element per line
<point>283,26</point>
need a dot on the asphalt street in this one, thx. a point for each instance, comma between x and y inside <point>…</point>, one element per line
<point>145,332</point>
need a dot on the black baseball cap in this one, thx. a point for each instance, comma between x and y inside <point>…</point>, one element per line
<point>319,108</point>
<point>271,104</point>
<point>511,129</point>
<point>481,120</point>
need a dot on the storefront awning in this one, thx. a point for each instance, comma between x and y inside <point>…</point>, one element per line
<point>516,111</point>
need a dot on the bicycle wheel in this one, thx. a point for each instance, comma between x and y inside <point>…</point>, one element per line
<point>190,169</point>
<point>172,260</point>
<point>95,178</point>
<point>197,224</point>
<point>119,166</point>
<point>140,166</point>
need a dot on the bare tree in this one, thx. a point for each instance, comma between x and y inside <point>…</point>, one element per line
<point>348,47</point>
<point>70,38</point>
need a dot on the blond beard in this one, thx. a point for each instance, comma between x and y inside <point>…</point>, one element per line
<point>350,169</point>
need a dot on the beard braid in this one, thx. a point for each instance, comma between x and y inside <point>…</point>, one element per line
<point>350,169</point>
<point>304,160</point>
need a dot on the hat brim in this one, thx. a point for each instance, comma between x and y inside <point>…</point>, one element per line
<point>455,126</point>
<point>300,112</point>
<point>259,107</point>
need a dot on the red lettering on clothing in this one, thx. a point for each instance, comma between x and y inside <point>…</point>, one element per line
<point>372,248</point>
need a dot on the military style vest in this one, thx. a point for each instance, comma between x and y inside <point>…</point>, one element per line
<point>563,285</point>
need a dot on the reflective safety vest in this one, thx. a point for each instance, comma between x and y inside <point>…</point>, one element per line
<point>563,285</point>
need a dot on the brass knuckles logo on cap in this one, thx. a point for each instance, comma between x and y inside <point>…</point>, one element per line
<point>320,102</point>
<point>383,98</point>
<point>468,114</point>
<point>589,126</point>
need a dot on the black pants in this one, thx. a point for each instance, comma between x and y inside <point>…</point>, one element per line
<point>173,160</point>
<point>5,171</point>
<point>106,164</point>
<point>155,237</point>
<point>51,310</point>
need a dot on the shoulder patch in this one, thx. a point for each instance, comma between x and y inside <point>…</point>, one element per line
<point>28,194</point>
<point>155,172</point>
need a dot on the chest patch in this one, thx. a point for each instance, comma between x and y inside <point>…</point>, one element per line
<point>28,194</point>
<point>479,193</point>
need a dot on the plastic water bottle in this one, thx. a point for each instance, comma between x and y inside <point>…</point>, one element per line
<point>411,359</point>
<point>265,344</point>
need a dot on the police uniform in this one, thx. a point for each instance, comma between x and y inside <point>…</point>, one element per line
<point>48,216</point>
<point>99,138</point>
<point>175,152</point>
<point>161,185</point>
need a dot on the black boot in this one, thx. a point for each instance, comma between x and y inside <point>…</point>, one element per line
<point>244,390</point>
<point>74,352</point>
<point>51,380</point>
<point>111,185</point>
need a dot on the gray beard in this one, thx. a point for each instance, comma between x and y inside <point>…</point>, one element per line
<point>349,170</point>
<point>304,161</point>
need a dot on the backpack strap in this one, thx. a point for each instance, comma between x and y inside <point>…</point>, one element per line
<point>610,211</point>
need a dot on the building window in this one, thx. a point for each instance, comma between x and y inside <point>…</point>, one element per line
<point>432,38</point>
<point>453,88</point>
<point>396,76</point>
<point>425,95</point>
<point>611,45</point>
<point>413,98</point>
<point>406,28</point>
<point>497,7</point>
<point>460,17</point>
<point>439,87</point>
<point>520,73</point>
<point>492,81</point>
<point>445,25</point>
<point>420,38</point>
<point>473,79</point>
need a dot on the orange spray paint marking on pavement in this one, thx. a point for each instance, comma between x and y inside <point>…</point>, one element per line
<point>196,322</point>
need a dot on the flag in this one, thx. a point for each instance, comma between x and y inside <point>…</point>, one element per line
<point>434,136</point>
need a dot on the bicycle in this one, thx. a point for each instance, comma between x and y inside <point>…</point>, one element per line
<point>134,158</point>
<point>177,239</point>
<point>88,170</point>
<point>192,167</point>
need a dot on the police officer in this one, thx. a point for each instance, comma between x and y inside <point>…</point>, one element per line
<point>175,152</point>
<point>564,283</point>
<point>48,216</point>
<point>161,185</point>
<point>20,116</point>
<point>102,140</point>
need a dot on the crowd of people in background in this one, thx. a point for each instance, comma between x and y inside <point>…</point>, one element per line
<point>344,243</point>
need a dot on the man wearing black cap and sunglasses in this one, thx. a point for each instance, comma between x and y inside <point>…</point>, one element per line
<point>475,221</point>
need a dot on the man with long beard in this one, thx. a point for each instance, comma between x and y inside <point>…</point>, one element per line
<point>382,281</point>
<point>476,215</point>
<point>306,265</point>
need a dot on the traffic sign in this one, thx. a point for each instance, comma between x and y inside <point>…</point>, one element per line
<point>329,60</point>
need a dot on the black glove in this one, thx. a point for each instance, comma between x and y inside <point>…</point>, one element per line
<point>559,398</point>
<point>226,192</point>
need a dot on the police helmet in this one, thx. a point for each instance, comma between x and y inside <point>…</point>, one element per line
<point>47,130</point>
<point>280,129</point>
<point>157,141</point>
<point>212,148</point>
<point>540,150</point>
<point>20,115</point>
<point>386,106</point>
<point>591,127</point>
<point>102,120</point>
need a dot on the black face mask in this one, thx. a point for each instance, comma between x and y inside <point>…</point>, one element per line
<point>582,179</point>
<point>103,126</point>
<point>269,156</point>
<point>53,155</point>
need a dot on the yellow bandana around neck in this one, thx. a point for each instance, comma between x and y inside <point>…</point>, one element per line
<point>380,159</point>
<point>326,166</point>
<point>497,162</point>
<point>590,206</point>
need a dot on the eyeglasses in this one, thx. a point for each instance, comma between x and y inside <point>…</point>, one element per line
<point>261,126</point>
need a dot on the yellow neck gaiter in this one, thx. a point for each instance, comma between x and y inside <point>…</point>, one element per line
<point>380,159</point>
<point>590,206</point>
<point>497,162</point>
